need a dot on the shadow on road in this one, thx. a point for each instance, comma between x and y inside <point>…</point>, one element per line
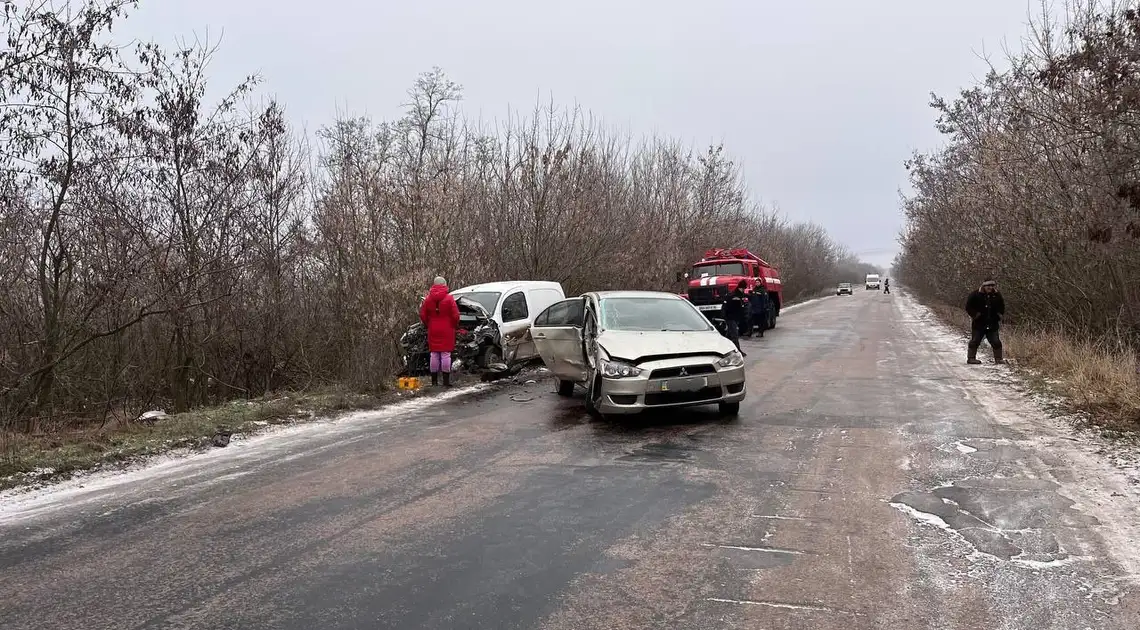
<point>572,413</point>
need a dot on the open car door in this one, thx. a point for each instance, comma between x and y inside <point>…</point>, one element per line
<point>557,335</point>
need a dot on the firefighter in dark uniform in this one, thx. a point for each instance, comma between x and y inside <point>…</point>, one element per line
<point>760,304</point>
<point>733,310</point>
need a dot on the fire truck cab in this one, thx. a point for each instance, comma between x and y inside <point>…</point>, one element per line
<point>719,271</point>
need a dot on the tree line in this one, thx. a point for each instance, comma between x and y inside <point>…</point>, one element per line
<point>1038,184</point>
<point>161,249</point>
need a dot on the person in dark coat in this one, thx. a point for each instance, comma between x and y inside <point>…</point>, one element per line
<point>985,308</point>
<point>886,285</point>
<point>760,305</point>
<point>440,316</point>
<point>733,311</point>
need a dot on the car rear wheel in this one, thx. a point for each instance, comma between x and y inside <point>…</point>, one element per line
<point>730,408</point>
<point>565,388</point>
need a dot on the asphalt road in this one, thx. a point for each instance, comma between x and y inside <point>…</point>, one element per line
<point>871,481</point>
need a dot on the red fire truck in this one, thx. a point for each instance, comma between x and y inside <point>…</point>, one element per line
<point>719,271</point>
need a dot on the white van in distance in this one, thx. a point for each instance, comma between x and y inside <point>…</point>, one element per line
<point>872,281</point>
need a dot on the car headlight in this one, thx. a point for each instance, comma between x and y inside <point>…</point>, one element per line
<point>731,360</point>
<point>618,369</point>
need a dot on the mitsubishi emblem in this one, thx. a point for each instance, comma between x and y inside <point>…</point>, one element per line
<point>684,372</point>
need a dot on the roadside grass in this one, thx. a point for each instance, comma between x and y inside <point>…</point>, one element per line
<point>1099,379</point>
<point>56,455</point>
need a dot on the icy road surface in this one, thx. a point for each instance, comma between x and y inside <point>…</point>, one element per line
<point>871,481</point>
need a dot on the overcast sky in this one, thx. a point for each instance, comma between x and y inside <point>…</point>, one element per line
<point>819,100</point>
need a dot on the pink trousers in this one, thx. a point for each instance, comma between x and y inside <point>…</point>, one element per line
<point>440,362</point>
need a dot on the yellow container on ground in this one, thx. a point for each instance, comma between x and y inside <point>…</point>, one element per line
<point>409,382</point>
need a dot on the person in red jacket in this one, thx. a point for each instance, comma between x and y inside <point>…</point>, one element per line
<point>440,316</point>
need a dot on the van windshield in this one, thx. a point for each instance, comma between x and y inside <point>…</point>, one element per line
<point>486,299</point>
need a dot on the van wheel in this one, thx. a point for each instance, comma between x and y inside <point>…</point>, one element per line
<point>730,408</point>
<point>489,356</point>
<point>565,388</point>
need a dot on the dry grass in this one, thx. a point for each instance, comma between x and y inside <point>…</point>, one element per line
<point>1101,378</point>
<point>27,458</point>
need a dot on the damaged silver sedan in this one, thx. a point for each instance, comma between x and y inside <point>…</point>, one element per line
<point>638,350</point>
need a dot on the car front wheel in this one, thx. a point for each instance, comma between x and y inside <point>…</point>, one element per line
<point>593,395</point>
<point>565,388</point>
<point>730,408</point>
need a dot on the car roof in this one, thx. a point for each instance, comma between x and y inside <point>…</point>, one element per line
<point>601,295</point>
<point>507,285</point>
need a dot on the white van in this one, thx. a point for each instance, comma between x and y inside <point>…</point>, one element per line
<point>872,281</point>
<point>514,305</point>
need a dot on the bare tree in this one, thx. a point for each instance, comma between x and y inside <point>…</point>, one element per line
<point>65,93</point>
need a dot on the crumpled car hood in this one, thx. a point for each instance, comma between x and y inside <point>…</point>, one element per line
<point>633,346</point>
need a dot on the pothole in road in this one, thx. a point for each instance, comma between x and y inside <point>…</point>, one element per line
<point>959,446</point>
<point>659,452</point>
<point>1008,519</point>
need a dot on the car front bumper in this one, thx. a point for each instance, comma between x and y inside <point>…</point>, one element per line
<point>634,395</point>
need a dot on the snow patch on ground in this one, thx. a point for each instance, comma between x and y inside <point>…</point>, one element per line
<point>965,449</point>
<point>187,470</point>
<point>1107,483</point>
<point>925,517</point>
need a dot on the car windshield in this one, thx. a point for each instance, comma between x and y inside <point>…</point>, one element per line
<point>486,299</point>
<point>651,314</point>
<point>721,269</point>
